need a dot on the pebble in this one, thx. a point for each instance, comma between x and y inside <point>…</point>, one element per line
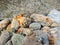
<point>44,20</point>
<point>35,26</point>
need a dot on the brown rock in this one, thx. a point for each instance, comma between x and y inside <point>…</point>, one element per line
<point>45,29</point>
<point>44,20</point>
<point>26,31</point>
<point>55,25</point>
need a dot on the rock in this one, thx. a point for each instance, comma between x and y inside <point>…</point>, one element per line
<point>55,25</point>
<point>5,36</point>
<point>9,43</point>
<point>35,26</point>
<point>25,31</point>
<point>45,29</point>
<point>54,15</point>
<point>18,20</point>
<point>17,39</point>
<point>44,20</point>
<point>51,39</point>
<point>15,21</point>
<point>4,23</point>
<point>31,40</point>
<point>26,22</point>
<point>37,32</point>
<point>37,35</point>
<point>55,33</point>
<point>45,38</point>
<point>41,37</point>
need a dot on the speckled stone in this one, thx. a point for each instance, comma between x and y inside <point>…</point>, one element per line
<point>35,26</point>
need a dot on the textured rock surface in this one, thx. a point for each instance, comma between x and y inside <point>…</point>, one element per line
<point>55,33</point>
<point>35,26</point>
<point>44,20</point>
<point>8,8</point>
<point>17,39</point>
<point>25,31</point>
<point>4,38</point>
<point>4,23</point>
<point>54,15</point>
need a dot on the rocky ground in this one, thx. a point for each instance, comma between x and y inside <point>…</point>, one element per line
<point>38,29</point>
<point>29,22</point>
<point>9,8</point>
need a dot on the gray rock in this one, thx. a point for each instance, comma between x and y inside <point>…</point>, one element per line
<point>17,39</point>
<point>5,36</point>
<point>54,15</point>
<point>35,26</point>
<point>9,43</point>
<point>41,37</point>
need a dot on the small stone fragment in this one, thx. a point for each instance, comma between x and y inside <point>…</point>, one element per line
<point>35,26</point>
<point>44,20</point>
<point>17,39</point>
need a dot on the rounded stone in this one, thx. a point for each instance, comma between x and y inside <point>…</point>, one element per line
<point>35,26</point>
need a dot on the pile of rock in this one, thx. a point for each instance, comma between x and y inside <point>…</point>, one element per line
<point>34,30</point>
